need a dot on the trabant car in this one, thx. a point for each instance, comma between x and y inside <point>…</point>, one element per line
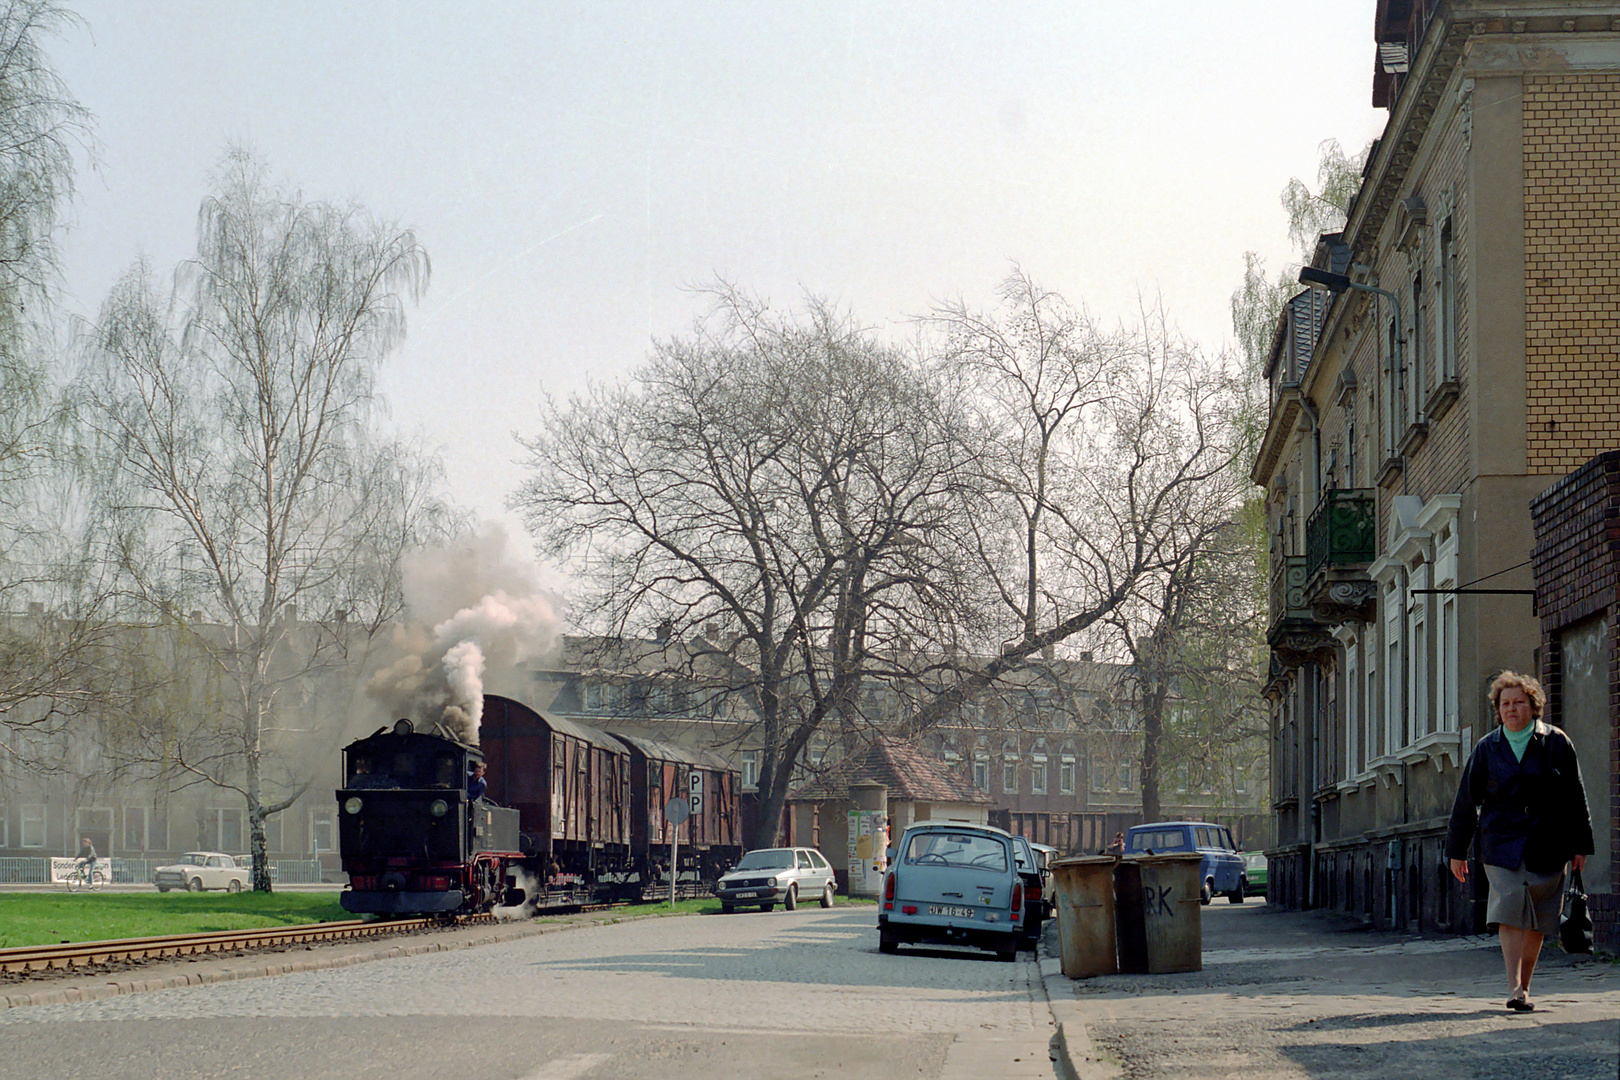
<point>955,884</point>
<point>196,871</point>
<point>1221,867</point>
<point>768,876</point>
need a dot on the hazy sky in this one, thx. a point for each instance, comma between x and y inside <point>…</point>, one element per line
<point>574,168</point>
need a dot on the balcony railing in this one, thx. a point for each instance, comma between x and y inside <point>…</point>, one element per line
<point>1342,530</point>
<point>1288,590</point>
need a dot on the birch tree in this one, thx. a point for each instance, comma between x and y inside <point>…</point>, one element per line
<point>240,410</point>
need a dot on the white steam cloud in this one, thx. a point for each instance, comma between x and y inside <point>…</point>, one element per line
<point>471,613</point>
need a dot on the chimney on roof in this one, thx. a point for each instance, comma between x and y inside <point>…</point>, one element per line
<point>1085,658</point>
<point>711,630</point>
<point>665,629</point>
<point>36,608</point>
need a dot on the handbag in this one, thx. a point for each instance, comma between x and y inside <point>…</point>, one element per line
<point>1575,932</point>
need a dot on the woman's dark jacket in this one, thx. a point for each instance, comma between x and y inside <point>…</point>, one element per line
<point>1532,810</point>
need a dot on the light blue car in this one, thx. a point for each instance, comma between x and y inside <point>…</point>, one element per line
<point>1221,869</point>
<point>956,884</point>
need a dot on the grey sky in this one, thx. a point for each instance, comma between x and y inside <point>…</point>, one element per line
<point>573,168</point>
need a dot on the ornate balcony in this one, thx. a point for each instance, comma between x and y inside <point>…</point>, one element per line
<point>1341,539</point>
<point>1294,634</point>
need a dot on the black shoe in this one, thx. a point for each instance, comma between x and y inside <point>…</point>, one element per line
<point>1520,1005</point>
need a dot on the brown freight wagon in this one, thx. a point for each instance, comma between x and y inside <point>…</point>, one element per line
<point>569,782</point>
<point>710,839</point>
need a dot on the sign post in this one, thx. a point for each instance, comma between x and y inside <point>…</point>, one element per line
<point>676,811</point>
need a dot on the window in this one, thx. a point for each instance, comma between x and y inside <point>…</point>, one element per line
<point>1066,775</point>
<point>1446,339</point>
<point>225,830</point>
<point>1125,776</point>
<point>134,828</point>
<point>1037,774</point>
<point>272,833</point>
<point>1354,751</point>
<point>750,769</point>
<point>1445,631</point>
<point>33,825</point>
<point>981,771</point>
<point>1417,699</point>
<point>1416,376</point>
<point>320,831</point>
<point>593,696</point>
<point>5,827</point>
<point>1394,695</point>
<point>1009,775</point>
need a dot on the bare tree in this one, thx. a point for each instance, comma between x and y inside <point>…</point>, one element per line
<point>1115,445</point>
<point>240,413</point>
<point>53,601</point>
<point>787,478</point>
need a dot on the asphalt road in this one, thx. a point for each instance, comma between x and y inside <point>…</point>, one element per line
<point>778,996</point>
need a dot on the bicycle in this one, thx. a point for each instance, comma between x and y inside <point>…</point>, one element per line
<point>79,879</point>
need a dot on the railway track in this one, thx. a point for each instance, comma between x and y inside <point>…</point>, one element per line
<point>57,957</point>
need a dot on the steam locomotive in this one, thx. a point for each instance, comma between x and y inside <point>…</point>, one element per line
<point>571,815</point>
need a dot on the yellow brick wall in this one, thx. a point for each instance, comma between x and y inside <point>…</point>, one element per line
<point>1572,268</point>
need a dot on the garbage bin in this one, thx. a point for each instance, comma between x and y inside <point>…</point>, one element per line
<point>1161,927</point>
<point>1085,905</point>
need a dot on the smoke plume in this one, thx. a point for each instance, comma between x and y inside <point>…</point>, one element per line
<point>472,612</point>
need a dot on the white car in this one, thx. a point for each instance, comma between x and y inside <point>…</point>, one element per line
<point>196,871</point>
<point>769,876</point>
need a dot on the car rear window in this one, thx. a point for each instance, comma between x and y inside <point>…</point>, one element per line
<point>973,850</point>
<point>1159,840</point>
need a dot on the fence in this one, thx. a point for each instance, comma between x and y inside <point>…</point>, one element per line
<point>36,870</point>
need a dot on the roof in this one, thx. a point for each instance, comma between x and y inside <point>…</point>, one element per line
<point>910,774</point>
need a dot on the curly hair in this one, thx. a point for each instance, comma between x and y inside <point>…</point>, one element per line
<point>1531,687</point>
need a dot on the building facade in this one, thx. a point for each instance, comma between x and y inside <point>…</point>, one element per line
<point>1463,361</point>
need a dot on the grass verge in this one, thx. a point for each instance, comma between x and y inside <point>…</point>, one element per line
<point>52,918</point>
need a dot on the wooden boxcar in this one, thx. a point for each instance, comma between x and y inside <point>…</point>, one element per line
<point>569,782</point>
<point>710,839</point>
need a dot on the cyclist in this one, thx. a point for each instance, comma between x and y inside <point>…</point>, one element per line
<point>87,860</point>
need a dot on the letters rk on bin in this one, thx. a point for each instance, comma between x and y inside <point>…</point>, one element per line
<point>1085,903</point>
<point>1161,921</point>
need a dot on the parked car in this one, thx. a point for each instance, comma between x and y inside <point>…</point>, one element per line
<point>196,871</point>
<point>954,884</point>
<point>768,876</point>
<point>1032,869</point>
<point>1221,868</point>
<point>1255,873</point>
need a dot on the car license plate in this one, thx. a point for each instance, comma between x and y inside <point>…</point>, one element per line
<point>747,895</point>
<point>950,912</point>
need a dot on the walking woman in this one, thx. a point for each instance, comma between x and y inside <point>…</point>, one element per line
<point>1522,790</point>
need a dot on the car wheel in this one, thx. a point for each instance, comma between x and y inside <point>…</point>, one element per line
<point>887,942</point>
<point>195,885</point>
<point>791,901</point>
<point>1236,895</point>
<point>163,888</point>
<point>827,895</point>
<point>727,909</point>
<point>234,886</point>
<point>1007,952</point>
<point>1207,893</point>
<point>767,907</point>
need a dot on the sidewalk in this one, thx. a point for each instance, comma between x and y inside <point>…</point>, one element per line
<point>1295,995</point>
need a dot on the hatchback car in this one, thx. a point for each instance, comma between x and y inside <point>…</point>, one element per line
<point>196,871</point>
<point>1220,869</point>
<point>955,884</point>
<point>768,876</point>
<point>1255,872</point>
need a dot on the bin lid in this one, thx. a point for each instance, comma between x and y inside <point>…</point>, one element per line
<point>1082,860</point>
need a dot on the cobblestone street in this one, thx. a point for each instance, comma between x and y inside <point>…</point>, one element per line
<point>705,996</point>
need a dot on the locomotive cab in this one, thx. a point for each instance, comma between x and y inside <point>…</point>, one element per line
<point>412,840</point>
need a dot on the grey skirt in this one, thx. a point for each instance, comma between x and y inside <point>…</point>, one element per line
<point>1524,899</point>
